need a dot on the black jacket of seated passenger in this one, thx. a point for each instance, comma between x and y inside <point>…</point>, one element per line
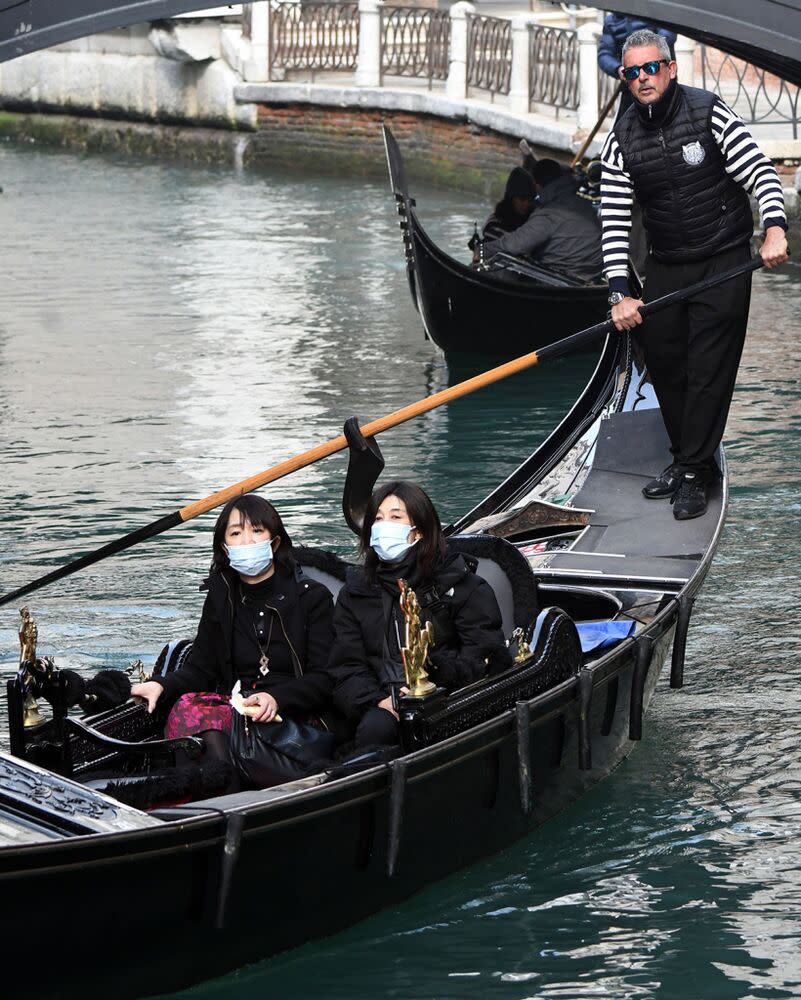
<point>304,624</point>
<point>365,658</point>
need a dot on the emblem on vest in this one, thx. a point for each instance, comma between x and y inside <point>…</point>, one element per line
<point>693,153</point>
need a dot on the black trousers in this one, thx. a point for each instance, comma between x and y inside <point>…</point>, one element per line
<point>693,350</point>
<point>377,727</point>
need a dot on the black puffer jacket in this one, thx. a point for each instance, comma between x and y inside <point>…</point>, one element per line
<point>306,619</point>
<point>691,207</point>
<point>365,657</point>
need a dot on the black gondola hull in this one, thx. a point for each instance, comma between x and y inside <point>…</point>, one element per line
<point>159,892</point>
<point>465,312</point>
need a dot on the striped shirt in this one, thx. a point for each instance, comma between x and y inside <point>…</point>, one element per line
<point>744,161</point>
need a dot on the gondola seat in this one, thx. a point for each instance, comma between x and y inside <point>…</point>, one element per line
<point>499,563</point>
<point>507,571</point>
<point>323,566</point>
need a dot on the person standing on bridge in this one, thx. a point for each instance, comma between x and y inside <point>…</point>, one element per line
<point>617,28</point>
<point>689,161</point>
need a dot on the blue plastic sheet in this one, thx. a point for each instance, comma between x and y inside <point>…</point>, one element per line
<point>601,635</point>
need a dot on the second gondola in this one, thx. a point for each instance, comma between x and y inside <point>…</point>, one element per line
<point>501,313</point>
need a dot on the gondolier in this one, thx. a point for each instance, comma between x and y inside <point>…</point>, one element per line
<point>689,162</point>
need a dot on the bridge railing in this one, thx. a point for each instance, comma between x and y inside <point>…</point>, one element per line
<point>313,36</point>
<point>758,97</point>
<point>415,42</point>
<point>554,67</point>
<point>524,63</point>
<point>489,53</point>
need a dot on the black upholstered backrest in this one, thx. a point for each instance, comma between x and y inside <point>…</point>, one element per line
<point>507,571</point>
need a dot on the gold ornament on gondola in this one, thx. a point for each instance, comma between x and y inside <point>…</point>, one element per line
<point>523,649</point>
<point>136,671</point>
<point>418,641</point>
<point>28,634</point>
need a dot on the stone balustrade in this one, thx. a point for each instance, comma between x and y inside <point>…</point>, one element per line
<point>525,77</point>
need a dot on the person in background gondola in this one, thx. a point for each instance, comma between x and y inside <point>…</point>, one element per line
<point>563,234</point>
<point>263,623</point>
<point>514,208</point>
<point>511,211</point>
<point>402,539</point>
<point>617,28</point>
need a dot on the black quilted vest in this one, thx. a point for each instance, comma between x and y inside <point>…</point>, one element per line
<point>691,207</point>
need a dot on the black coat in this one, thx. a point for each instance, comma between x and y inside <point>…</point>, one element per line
<point>306,617</point>
<point>358,664</point>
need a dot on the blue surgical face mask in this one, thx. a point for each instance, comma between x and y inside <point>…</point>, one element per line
<point>250,560</point>
<point>388,539</point>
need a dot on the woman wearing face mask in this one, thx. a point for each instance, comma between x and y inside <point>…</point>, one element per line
<point>402,539</point>
<point>263,624</point>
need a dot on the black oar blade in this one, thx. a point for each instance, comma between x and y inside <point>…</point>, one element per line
<point>140,535</point>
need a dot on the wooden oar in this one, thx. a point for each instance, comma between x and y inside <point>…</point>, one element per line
<point>565,346</point>
<point>585,145</point>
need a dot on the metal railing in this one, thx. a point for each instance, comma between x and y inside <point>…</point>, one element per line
<point>759,98</point>
<point>554,67</point>
<point>415,42</point>
<point>554,70</point>
<point>489,53</point>
<point>314,36</point>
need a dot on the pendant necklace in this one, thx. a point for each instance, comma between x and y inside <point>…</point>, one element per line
<point>264,659</point>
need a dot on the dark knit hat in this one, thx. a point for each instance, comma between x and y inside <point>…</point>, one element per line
<point>520,184</point>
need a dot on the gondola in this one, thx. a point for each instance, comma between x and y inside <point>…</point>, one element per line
<point>504,309</point>
<point>566,540</point>
<point>102,899</point>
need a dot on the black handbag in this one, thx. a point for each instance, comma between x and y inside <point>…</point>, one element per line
<point>270,753</point>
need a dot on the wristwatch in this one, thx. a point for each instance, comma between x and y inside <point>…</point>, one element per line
<point>615,297</point>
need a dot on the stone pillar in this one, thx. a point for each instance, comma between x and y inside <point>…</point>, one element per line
<point>257,64</point>
<point>520,87</point>
<point>456,86</point>
<point>368,70</point>
<point>588,77</point>
<point>685,60</point>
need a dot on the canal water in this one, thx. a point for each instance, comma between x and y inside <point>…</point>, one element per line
<point>166,330</point>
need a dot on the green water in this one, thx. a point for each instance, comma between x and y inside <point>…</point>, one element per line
<point>168,330</point>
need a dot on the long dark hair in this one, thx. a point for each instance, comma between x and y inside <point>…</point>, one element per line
<point>261,514</point>
<point>431,548</point>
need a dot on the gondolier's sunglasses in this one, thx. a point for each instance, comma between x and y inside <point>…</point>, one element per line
<point>651,68</point>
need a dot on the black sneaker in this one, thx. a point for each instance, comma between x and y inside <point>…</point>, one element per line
<point>665,484</point>
<point>689,500</point>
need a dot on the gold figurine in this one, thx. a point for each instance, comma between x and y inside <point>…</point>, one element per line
<point>523,649</point>
<point>28,634</point>
<point>418,641</point>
